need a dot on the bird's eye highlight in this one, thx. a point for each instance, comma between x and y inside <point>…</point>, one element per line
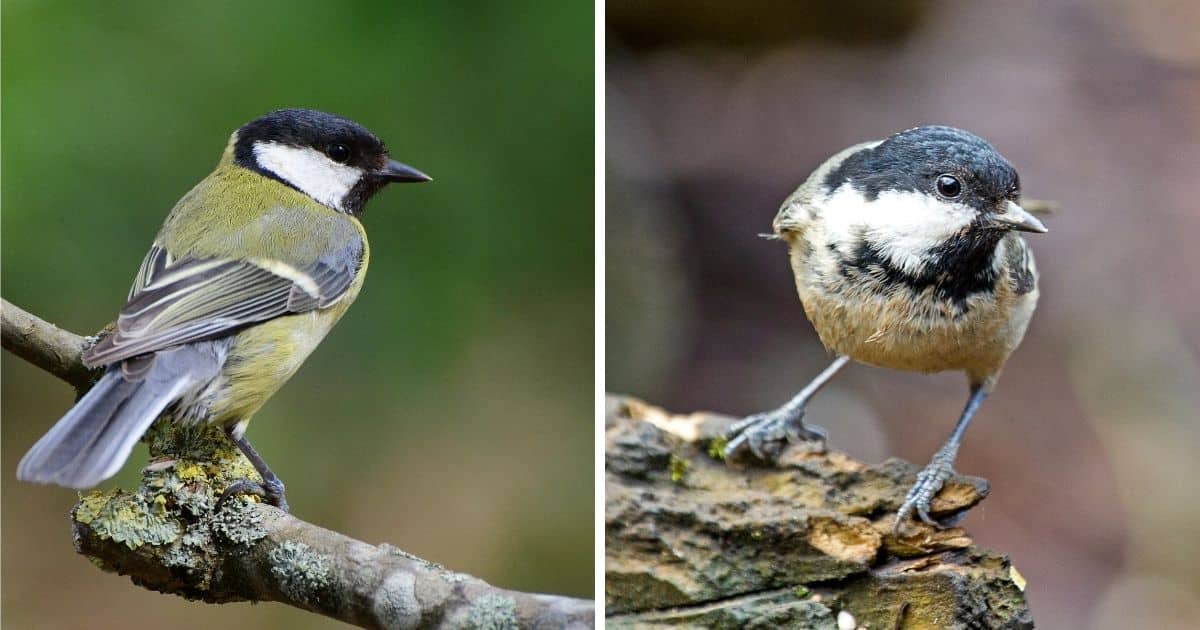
<point>948,186</point>
<point>338,152</point>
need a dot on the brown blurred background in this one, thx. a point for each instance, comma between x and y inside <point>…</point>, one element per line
<point>716,111</point>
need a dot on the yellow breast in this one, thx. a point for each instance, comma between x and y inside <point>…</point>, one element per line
<point>263,357</point>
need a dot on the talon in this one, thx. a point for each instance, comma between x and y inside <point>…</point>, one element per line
<point>270,489</point>
<point>806,433</point>
<point>242,486</point>
<point>272,492</point>
<point>929,482</point>
<point>906,511</point>
<point>733,446</point>
<point>766,434</point>
<point>758,445</point>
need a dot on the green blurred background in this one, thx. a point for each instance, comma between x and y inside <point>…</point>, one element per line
<point>450,413</point>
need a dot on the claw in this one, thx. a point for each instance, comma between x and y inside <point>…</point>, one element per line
<point>766,434</point>
<point>920,496</point>
<point>271,491</point>
<point>806,433</point>
<point>733,445</point>
<point>759,444</point>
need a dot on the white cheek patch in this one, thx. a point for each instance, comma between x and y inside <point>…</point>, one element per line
<point>309,170</point>
<point>904,225</point>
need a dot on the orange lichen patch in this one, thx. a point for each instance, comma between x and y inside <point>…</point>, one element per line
<point>955,496</point>
<point>919,539</point>
<point>852,540</point>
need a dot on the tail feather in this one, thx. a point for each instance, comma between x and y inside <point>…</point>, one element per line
<point>95,438</point>
<point>63,442</point>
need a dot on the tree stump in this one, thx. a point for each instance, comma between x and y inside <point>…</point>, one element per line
<point>693,541</point>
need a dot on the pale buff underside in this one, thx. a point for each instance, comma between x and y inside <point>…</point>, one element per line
<point>904,332</point>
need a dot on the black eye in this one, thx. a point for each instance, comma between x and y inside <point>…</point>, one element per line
<point>337,152</point>
<point>948,186</point>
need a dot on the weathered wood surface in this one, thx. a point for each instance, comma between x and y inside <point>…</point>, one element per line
<point>694,542</point>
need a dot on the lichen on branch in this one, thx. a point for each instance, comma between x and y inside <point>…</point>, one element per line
<point>169,536</point>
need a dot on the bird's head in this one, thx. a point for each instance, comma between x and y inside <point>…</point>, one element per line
<point>923,192</point>
<point>335,161</point>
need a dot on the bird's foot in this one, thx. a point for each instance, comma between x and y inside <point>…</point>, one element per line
<point>271,491</point>
<point>766,434</point>
<point>929,481</point>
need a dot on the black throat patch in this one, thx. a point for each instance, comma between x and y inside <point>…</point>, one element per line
<point>958,269</point>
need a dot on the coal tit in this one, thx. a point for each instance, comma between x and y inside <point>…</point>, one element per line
<point>906,256</point>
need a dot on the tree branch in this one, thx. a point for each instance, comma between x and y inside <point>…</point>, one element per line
<point>168,536</point>
<point>45,345</point>
<point>807,542</point>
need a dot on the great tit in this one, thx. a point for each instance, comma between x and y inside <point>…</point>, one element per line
<point>906,256</point>
<point>250,270</point>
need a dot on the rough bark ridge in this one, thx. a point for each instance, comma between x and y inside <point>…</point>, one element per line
<point>168,537</point>
<point>807,543</point>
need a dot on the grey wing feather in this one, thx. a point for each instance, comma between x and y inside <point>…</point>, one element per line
<point>192,299</point>
<point>153,264</point>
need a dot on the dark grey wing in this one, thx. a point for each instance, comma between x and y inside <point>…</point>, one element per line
<point>156,260</point>
<point>175,302</point>
<point>1022,271</point>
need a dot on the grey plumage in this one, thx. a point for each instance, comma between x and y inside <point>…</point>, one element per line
<point>94,439</point>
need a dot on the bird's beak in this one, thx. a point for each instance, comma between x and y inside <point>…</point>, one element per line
<point>400,173</point>
<point>1015,217</point>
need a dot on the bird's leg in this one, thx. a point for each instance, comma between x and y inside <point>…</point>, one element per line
<point>270,489</point>
<point>765,434</point>
<point>933,476</point>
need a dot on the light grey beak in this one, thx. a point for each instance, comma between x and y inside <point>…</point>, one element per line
<point>1015,217</point>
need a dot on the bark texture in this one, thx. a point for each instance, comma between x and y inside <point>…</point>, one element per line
<point>807,543</point>
<point>169,535</point>
<point>45,345</point>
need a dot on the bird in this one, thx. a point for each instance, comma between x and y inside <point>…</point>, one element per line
<point>248,273</point>
<point>906,255</point>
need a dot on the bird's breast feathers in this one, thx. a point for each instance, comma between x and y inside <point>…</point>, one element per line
<point>873,313</point>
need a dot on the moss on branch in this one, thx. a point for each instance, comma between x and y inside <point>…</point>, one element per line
<point>168,535</point>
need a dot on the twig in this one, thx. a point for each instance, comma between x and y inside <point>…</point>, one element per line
<point>167,537</point>
<point>45,345</point>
